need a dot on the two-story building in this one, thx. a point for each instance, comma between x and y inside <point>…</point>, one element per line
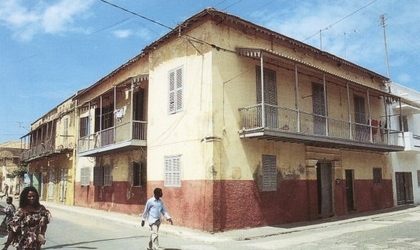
<point>240,125</point>
<point>49,153</point>
<point>9,163</point>
<point>111,148</point>
<point>405,164</point>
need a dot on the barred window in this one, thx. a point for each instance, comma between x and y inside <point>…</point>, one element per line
<point>377,175</point>
<point>269,173</point>
<point>176,80</point>
<point>136,174</point>
<point>173,171</point>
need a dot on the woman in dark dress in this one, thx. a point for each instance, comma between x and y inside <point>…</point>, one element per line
<point>30,221</point>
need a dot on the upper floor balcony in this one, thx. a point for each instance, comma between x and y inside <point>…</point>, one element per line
<point>123,136</point>
<point>47,148</point>
<point>411,141</point>
<point>291,125</point>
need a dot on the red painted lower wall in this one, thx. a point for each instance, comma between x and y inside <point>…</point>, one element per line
<point>224,205</point>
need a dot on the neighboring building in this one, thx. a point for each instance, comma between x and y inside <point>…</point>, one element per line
<point>245,127</point>
<point>50,153</point>
<point>10,161</point>
<point>406,164</point>
<point>112,153</point>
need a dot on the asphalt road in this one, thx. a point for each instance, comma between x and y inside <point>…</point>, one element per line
<point>72,230</point>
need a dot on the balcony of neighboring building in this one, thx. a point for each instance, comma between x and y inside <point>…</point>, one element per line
<point>45,144</point>
<point>124,136</point>
<point>408,121</point>
<point>114,120</point>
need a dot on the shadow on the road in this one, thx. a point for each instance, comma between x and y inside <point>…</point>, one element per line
<point>77,244</point>
<point>346,217</point>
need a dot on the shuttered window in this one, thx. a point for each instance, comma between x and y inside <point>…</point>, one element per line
<point>269,173</point>
<point>173,171</point>
<point>102,176</point>
<point>176,80</point>
<point>136,174</point>
<point>107,176</point>
<point>85,176</point>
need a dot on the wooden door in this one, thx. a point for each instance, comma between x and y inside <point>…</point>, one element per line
<point>324,180</point>
<point>404,188</point>
<point>350,190</point>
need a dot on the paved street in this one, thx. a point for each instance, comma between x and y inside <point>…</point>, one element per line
<point>82,228</point>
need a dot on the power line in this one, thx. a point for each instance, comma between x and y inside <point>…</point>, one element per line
<point>330,26</point>
<point>136,14</point>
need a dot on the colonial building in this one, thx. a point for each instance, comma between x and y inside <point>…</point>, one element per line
<point>240,125</point>
<point>10,162</point>
<point>49,153</point>
<point>112,152</point>
<point>405,164</point>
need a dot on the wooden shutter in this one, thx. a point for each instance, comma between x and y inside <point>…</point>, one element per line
<point>269,173</point>
<point>171,92</point>
<point>84,176</point>
<point>98,176</point>
<point>179,89</point>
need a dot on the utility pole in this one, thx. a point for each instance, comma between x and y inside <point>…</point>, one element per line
<point>382,18</point>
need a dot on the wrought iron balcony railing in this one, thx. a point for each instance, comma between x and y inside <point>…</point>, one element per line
<point>290,122</point>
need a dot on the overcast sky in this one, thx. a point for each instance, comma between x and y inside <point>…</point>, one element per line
<point>50,49</point>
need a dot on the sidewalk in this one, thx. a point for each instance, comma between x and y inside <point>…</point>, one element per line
<point>233,235</point>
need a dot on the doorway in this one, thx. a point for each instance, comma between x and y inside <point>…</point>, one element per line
<point>404,187</point>
<point>324,181</point>
<point>350,190</point>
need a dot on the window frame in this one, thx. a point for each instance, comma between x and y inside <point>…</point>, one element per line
<point>83,126</point>
<point>102,176</point>
<point>136,174</point>
<point>176,90</point>
<point>377,175</point>
<point>85,176</point>
<point>172,171</point>
<point>269,173</point>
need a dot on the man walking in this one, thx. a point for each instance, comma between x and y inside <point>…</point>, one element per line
<point>154,209</point>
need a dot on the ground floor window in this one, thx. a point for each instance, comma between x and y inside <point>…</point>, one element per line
<point>269,173</point>
<point>173,171</point>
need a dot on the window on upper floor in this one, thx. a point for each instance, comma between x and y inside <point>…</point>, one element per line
<point>269,173</point>
<point>84,127</point>
<point>176,85</point>
<point>104,118</point>
<point>173,171</point>
<point>403,121</point>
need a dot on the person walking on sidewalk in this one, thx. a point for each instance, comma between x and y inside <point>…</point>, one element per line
<point>8,211</point>
<point>6,191</point>
<point>30,221</point>
<point>153,211</point>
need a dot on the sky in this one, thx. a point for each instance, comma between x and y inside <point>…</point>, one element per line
<point>50,49</point>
